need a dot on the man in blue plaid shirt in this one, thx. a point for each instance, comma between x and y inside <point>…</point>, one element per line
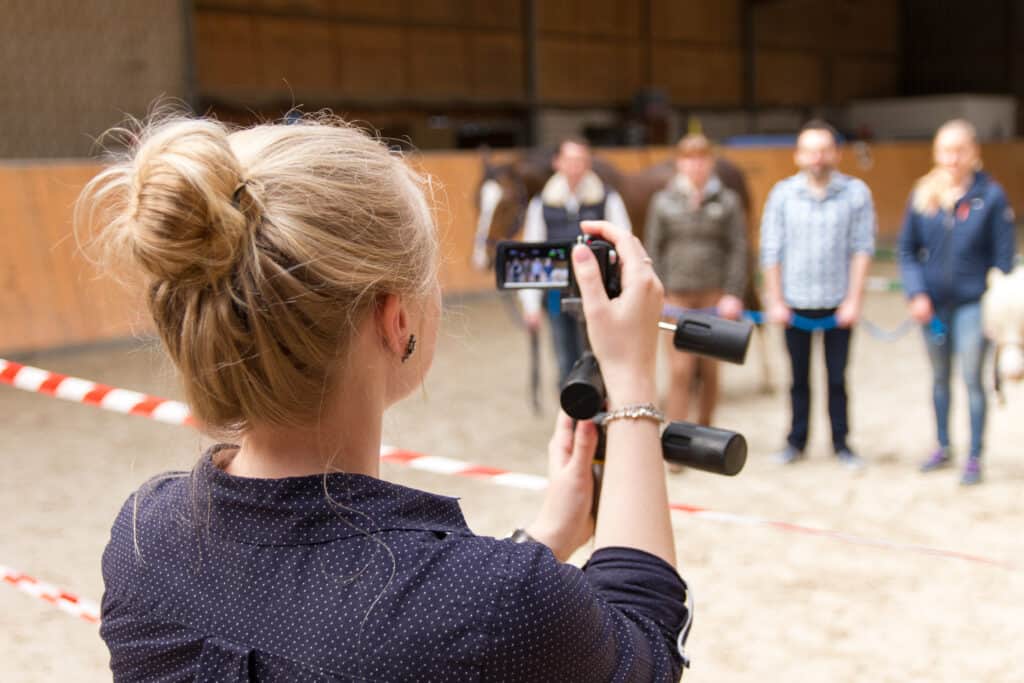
<point>817,240</point>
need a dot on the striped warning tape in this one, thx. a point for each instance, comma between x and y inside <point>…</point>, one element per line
<point>38,380</point>
<point>91,393</point>
<point>67,602</point>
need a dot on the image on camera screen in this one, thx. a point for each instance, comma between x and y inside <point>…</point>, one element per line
<point>542,267</point>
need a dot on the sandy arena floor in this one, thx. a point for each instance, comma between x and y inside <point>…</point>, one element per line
<point>772,605</point>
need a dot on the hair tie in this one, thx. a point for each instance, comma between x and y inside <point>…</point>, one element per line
<point>236,196</point>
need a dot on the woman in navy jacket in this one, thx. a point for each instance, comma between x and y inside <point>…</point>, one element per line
<point>292,272</point>
<point>958,225</point>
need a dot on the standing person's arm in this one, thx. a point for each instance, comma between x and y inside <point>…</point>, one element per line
<point>534,230</point>
<point>731,304</point>
<point>653,234</point>
<point>911,270</point>
<point>772,235</point>
<point>615,211</point>
<point>862,248</point>
<point>1004,239</point>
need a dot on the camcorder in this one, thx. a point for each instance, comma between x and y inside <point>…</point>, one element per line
<point>548,266</point>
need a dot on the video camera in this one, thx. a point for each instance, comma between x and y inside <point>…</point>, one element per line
<point>548,265</point>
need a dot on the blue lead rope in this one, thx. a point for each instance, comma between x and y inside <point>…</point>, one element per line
<point>936,327</point>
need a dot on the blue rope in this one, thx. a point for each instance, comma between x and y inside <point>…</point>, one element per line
<point>936,328</point>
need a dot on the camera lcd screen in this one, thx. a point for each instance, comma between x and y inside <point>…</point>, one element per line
<point>536,267</point>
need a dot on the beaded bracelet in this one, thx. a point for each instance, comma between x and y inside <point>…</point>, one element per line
<point>637,411</point>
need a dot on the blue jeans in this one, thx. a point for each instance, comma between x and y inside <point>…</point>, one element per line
<point>965,339</point>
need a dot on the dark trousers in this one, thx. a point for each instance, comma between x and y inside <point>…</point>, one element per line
<point>568,342</point>
<point>837,351</point>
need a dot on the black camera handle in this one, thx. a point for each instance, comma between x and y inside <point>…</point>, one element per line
<point>718,451</point>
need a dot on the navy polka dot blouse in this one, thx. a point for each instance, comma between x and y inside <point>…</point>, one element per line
<point>211,577</point>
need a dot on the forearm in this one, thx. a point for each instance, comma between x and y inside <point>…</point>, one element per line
<point>858,276</point>
<point>633,509</point>
<point>773,284</point>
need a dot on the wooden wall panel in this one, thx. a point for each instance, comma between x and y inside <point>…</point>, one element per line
<point>868,27</point>
<point>504,14</point>
<point>440,12</point>
<point>294,6</point>
<point>854,78</point>
<point>298,55</point>
<point>52,296</point>
<point>717,21</point>
<point>558,78</point>
<point>370,64</point>
<point>227,56</point>
<point>705,76</point>
<point>496,66</point>
<point>574,71</point>
<point>789,78</point>
<point>438,64</point>
<point>368,9</point>
<point>796,24</point>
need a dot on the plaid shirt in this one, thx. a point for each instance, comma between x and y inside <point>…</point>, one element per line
<point>814,238</point>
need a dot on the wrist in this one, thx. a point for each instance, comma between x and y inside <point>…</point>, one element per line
<point>633,390</point>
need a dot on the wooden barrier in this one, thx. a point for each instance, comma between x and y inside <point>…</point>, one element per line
<point>50,296</point>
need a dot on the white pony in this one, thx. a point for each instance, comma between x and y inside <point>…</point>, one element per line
<point>1002,310</point>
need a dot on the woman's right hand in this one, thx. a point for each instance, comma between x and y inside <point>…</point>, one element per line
<point>921,308</point>
<point>623,331</point>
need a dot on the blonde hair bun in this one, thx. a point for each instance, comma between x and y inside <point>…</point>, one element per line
<point>181,222</point>
<point>262,250</point>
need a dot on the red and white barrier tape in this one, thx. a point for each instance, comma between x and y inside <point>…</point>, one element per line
<point>83,391</point>
<point>132,402</point>
<point>63,600</point>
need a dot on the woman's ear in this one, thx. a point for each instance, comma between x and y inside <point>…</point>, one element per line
<point>392,323</point>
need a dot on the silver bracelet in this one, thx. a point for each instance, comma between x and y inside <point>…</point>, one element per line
<point>637,411</point>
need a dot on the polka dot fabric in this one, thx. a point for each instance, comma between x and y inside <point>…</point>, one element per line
<point>211,577</point>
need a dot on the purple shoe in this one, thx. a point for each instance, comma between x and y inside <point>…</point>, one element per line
<point>936,461</point>
<point>972,472</point>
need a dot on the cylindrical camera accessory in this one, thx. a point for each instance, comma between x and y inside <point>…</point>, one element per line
<point>583,393</point>
<point>712,336</point>
<point>718,451</point>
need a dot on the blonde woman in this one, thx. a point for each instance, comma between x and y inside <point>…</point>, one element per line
<point>958,225</point>
<point>696,233</point>
<point>291,272</point>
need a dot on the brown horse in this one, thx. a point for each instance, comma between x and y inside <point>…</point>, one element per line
<point>506,189</point>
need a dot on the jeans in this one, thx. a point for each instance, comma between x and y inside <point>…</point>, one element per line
<point>837,351</point>
<point>568,343</point>
<point>965,339</point>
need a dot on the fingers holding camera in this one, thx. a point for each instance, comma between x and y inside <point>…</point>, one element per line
<point>623,331</point>
<point>564,522</point>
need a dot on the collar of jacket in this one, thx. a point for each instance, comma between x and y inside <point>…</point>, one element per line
<point>683,186</point>
<point>836,182</point>
<point>556,191</point>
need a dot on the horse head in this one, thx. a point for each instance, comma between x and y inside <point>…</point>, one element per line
<point>502,197</point>
<point>1003,315</point>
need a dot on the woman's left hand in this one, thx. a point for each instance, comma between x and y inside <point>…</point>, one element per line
<point>564,522</point>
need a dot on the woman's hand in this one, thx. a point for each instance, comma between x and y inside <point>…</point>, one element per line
<point>921,308</point>
<point>623,332</point>
<point>564,522</point>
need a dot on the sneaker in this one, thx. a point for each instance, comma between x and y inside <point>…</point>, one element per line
<point>936,461</point>
<point>972,472</point>
<point>789,455</point>
<point>849,459</point>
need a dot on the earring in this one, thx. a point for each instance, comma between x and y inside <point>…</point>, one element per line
<point>409,348</point>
